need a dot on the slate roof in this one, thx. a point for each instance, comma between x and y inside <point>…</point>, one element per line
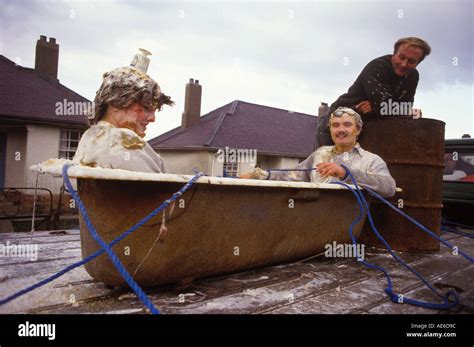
<point>245,125</point>
<point>27,95</point>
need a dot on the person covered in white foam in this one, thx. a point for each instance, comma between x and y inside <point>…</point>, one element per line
<point>367,168</point>
<point>124,105</point>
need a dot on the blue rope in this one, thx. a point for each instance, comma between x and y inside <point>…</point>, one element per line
<point>353,239</point>
<point>418,224</point>
<point>447,303</point>
<point>448,226</point>
<point>447,222</point>
<point>292,169</point>
<point>450,299</point>
<point>360,199</point>
<point>445,228</point>
<point>99,252</point>
<point>113,257</point>
<point>352,225</point>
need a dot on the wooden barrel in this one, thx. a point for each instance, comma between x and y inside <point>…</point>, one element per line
<point>414,152</point>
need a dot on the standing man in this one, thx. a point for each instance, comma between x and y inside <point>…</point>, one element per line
<point>385,87</point>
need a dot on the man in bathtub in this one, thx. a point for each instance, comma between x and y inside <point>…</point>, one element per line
<point>367,168</point>
<point>124,105</point>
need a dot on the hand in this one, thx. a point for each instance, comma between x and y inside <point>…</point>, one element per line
<point>416,112</point>
<point>330,169</point>
<point>247,175</point>
<point>364,106</point>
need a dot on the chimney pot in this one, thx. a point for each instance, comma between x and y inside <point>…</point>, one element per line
<point>42,38</point>
<point>191,80</point>
<point>52,40</point>
<point>197,81</point>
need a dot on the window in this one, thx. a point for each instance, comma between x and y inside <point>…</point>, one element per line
<point>231,168</point>
<point>68,142</point>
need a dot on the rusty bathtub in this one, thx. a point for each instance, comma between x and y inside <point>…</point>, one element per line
<point>219,225</point>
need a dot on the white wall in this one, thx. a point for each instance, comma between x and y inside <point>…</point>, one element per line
<point>245,161</point>
<point>217,165</point>
<point>275,162</point>
<point>28,145</point>
<point>288,162</point>
<point>42,144</point>
<point>184,162</point>
<point>15,160</point>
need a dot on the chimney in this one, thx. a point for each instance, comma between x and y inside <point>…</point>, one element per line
<point>192,104</point>
<point>323,109</point>
<point>47,56</point>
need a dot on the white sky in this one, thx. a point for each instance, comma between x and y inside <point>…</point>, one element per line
<point>286,54</point>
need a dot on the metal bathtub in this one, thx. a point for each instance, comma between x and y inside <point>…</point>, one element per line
<point>219,225</point>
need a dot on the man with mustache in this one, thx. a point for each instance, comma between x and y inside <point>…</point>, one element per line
<point>124,105</point>
<point>386,82</point>
<point>367,168</point>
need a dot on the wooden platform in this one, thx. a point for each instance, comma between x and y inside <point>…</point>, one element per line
<point>312,286</point>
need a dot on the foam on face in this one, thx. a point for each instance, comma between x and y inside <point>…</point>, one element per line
<point>124,86</point>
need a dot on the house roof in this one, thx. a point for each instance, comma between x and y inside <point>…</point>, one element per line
<point>29,96</point>
<point>245,125</point>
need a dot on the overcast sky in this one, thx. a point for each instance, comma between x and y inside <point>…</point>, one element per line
<point>285,54</point>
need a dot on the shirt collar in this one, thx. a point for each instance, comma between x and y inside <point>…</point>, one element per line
<point>104,123</point>
<point>356,149</point>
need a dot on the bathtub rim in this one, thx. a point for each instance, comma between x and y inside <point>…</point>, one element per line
<point>86,172</point>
